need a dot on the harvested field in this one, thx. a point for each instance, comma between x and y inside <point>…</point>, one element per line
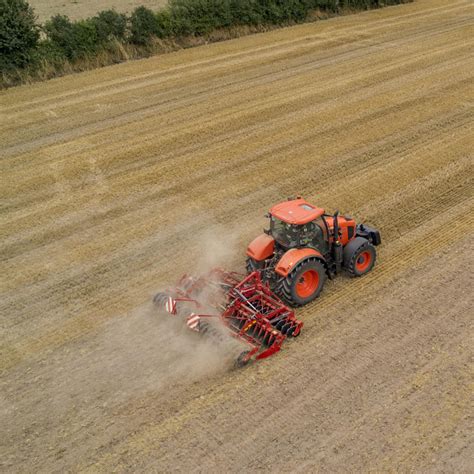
<point>117,181</point>
<point>76,9</point>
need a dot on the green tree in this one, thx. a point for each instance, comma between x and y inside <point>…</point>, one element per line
<point>200,16</point>
<point>19,33</point>
<point>110,24</point>
<point>245,12</point>
<point>76,40</point>
<point>164,23</point>
<point>143,25</point>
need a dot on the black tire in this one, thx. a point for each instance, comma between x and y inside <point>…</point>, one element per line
<point>159,299</point>
<point>241,360</point>
<point>290,289</point>
<point>359,257</point>
<point>203,328</point>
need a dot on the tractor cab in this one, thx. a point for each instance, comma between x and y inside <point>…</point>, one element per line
<point>312,234</point>
<point>297,223</point>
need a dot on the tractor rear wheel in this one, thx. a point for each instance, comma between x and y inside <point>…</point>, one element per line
<point>303,284</point>
<point>360,260</point>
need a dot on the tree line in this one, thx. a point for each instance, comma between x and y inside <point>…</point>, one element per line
<point>27,47</point>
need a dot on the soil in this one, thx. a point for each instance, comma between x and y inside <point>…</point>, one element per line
<point>77,9</point>
<point>117,181</point>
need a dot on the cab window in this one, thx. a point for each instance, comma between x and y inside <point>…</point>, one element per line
<point>313,234</point>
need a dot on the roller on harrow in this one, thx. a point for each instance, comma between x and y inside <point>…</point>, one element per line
<point>223,302</point>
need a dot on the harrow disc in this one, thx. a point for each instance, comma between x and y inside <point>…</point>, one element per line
<point>247,308</point>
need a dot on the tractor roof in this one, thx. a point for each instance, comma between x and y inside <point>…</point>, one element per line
<point>297,211</point>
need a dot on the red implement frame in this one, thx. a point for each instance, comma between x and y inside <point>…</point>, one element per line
<point>246,306</point>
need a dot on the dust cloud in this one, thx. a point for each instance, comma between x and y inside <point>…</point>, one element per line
<point>151,350</point>
<point>216,246</point>
<point>146,352</point>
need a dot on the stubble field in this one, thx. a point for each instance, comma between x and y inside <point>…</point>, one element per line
<point>76,9</point>
<point>117,181</point>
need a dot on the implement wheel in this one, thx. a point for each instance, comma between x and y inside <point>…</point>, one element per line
<point>304,283</point>
<point>242,360</point>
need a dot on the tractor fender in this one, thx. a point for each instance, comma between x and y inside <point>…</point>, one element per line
<point>352,247</point>
<point>293,257</point>
<point>261,247</point>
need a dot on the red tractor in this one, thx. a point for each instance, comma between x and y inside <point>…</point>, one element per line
<point>289,262</point>
<point>304,246</point>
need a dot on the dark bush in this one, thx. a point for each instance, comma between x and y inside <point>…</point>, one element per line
<point>164,24</point>
<point>19,34</point>
<point>85,38</point>
<point>330,5</point>
<point>245,12</point>
<point>76,40</point>
<point>109,24</point>
<point>198,17</point>
<point>270,11</point>
<point>359,4</point>
<point>59,30</point>
<point>50,52</point>
<point>143,25</point>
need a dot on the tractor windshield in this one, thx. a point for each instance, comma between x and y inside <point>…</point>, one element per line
<point>285,234</point>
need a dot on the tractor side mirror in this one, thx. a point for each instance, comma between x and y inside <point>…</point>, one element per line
<point>336,226</point>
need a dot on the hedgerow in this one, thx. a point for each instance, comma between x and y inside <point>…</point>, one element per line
<point>110,36</point>
<point>19,34</point>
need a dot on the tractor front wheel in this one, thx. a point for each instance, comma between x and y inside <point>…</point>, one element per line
<point>304,283</point>
<point>360,260</point>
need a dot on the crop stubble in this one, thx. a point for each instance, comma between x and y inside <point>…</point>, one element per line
<point>77,9</point>
<point>113,181</point>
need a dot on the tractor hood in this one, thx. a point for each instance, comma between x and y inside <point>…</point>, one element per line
<point>261,248</point>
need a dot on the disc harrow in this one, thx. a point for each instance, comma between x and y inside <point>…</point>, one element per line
<point>244,306</point>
